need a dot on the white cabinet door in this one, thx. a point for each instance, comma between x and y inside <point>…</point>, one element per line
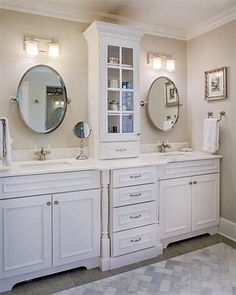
<point>76,226</point>
<point>205,201</point>
<point>25,235</point>
<point>175,207</point>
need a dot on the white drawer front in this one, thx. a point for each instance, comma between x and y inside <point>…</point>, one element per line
<point>133,216</point>
<point>134,194</point>
<point>20,186</point>
<point>134,239</point>
<point>198,167</point>
<point>133,176</point>
<point>118,150</point>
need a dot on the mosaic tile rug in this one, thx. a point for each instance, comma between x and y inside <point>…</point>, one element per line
<point>209,271</point>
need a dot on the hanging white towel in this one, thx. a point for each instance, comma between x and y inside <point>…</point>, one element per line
<point>8,142</point>
<point>211,135</point>
<point>167,124</point>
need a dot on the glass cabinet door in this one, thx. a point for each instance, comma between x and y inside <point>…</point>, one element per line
<point>120,90</point>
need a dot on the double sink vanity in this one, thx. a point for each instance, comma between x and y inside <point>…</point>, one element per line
<point>119,206</point>
<point>62,214</point>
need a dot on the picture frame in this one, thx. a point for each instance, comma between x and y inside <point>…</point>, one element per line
<point>171,95</point>
<point>216,84</point>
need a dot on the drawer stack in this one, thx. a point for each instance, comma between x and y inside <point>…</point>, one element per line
<point>134,212</point>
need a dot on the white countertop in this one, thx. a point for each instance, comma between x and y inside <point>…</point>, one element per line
<point>64,165</point>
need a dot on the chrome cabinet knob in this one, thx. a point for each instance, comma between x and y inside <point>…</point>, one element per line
<point>49,203</point>
<point>194,182</point>
<point>56,203</point>
<point>190,183</point>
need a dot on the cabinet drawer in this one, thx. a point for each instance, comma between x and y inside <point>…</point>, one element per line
<point>134,194</point>
<point>19,186</point>
<point>133,216</point>
<point>117,150</point>
<point>198,167</point>
<point>133,176</point>
<point>134,239</point>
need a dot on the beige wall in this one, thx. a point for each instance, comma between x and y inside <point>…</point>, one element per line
<point>73,68</point>
<point>177,49</point>
<point>214,49</point>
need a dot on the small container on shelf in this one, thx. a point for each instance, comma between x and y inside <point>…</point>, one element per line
<point>113,60</point>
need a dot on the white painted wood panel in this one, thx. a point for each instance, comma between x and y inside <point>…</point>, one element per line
<point>76,226</point>
<point>191,168</point>
<point>133,216</point>
<point>26,235</point>
<point>134,239</point>
<point>175,207</point>
<point>21,186</point>
<point>205,201</point>
<point>133,176</point>
<point>134,194</point>
<point>117,150</point>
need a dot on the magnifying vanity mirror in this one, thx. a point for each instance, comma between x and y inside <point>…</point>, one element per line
<point>82,131</point>
<point>163,104</point>
<point>42,99</point>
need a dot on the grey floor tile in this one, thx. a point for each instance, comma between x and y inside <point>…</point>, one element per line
<point>124,268</point>
<point>66,280</point>
<point>84,276</point>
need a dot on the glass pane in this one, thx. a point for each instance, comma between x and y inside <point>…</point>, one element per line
<point>113,78</point>
<point>113,124</point>
<point>127,57</point>
<point>127,101</point>
<point>127,79</point>
<point>127,123</point>
<point>113,100</point>
<point>113,55</point>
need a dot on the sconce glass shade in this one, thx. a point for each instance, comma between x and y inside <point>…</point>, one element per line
<point>31,47</point>
<point>156,63</point>
<point>53,50</point>
<point>170,65</point>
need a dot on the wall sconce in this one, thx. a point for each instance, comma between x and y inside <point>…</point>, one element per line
<point>34,46</point>
<point>161,62</point>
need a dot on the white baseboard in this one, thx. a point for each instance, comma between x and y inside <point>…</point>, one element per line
<point>227,229</point>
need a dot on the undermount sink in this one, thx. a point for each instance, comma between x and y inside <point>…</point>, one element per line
<point>46,164</point>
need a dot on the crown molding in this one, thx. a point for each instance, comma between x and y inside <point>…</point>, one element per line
<point>211,24</point>
<point>85,17</point>
<point>71,14</point>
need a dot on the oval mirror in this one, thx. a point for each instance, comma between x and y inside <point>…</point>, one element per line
<point>42,99</point>
<point>82,131</point>
<point>163,104</point>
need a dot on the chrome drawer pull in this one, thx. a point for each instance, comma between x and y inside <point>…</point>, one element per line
<point>121,150</point>
<point>136,216</point>
<point>136,195</point>
<point>135,176</point>
<point>135,241</point>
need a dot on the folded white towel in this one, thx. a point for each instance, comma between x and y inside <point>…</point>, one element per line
<point>8,145</point>
<point>211,135</point>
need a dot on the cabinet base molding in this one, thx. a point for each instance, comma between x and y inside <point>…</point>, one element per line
<point>134,257</point>
<point>227,229</point>
<point>210,230</point>
<point>8,283</point>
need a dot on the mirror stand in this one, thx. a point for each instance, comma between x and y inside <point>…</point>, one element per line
<point>81,155</point>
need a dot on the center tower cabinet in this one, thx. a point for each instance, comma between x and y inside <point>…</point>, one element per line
<point>114,112</point>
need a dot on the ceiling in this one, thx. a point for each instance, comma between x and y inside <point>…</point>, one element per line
<point>180,19</point>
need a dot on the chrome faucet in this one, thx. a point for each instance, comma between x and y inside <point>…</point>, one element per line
<point>163,146</point>
<point>42,154</point>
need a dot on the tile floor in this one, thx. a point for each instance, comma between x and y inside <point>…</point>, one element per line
<point>55,283</point>
<point>208,271</point>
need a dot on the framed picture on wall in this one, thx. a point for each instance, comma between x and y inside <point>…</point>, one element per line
<point>170,94</point>
<point>216,84</point>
